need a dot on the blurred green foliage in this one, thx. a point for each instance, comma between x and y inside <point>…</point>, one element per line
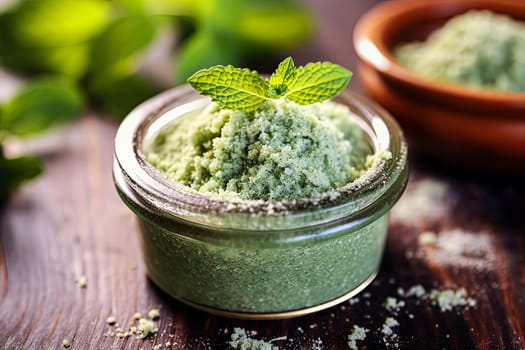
<point>16,171</point>
<point>39,106</point>
<point>101,43</point>
<point>94,50</point>
<point>51,36</point>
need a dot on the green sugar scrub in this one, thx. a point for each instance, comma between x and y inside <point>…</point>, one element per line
<point>281,151</point>
<point>269,202</point>
<point>478,49</point>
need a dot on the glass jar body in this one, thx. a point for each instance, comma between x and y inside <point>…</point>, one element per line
<point>258,263</point>
<point>261,276</point>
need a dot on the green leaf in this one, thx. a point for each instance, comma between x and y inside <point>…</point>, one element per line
<point>186,8</point>
<point>205,49</point>
<point>215,41</point>
<point>53,23</point>
<point>51,35</point>
<point>68,60</point>
<point>274,25</point>
<point>282,78</point>
<point>317,82</point>
<point>121,95</point>
<point>41,105</point>
<point>132,6</point>
<point>123,39</point>
<point>221,15</point>
<point>16,171</point>
<point>242,89</point>
<point>230,87</point>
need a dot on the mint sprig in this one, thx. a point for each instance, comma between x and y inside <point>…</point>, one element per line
<point>244,90</point>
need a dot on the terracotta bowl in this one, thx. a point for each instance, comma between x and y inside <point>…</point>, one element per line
<point>476,129</point>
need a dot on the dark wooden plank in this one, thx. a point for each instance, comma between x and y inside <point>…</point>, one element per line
<point>71,222</point>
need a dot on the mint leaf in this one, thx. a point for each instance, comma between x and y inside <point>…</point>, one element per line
<point>317,82</point>
<point>282,78</point>
<point>231,88</point>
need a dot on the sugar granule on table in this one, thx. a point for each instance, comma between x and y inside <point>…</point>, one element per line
<point>240,339</point>
<point>160,346</point>
<point>317,344</point>
<point>358,333</point>
<point>417,291</point>
<point>461,242</point>
<point>123,333</point>
<point>447,299</point>
<point>387,326</point>
<point>165,346</point>
<point>145,328</point>
<point>82,281</point>
<point>427,198</point>
<point>154,314</point>
<point>456,247</point>
<point>392,304</point>
<point>427,238</point>
<point>389,337</point>
<point>111,320</point>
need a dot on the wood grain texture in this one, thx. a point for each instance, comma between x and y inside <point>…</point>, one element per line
<point>70,222</point>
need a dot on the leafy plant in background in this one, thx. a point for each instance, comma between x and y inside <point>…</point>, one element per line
<point>36,108</point>
<point>74,51</point>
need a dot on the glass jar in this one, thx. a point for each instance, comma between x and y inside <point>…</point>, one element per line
<point>256,259</point>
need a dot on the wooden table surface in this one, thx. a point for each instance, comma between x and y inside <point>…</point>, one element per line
<point>70,222</point>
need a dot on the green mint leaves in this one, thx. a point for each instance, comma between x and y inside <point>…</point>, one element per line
<point>317,82</point>
<point>230,87</point>
<point>242,89</point>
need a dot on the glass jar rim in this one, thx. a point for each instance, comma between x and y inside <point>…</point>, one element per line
<point>139,180</point>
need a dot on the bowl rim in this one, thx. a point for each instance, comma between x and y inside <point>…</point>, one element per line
<point>372,49</point>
